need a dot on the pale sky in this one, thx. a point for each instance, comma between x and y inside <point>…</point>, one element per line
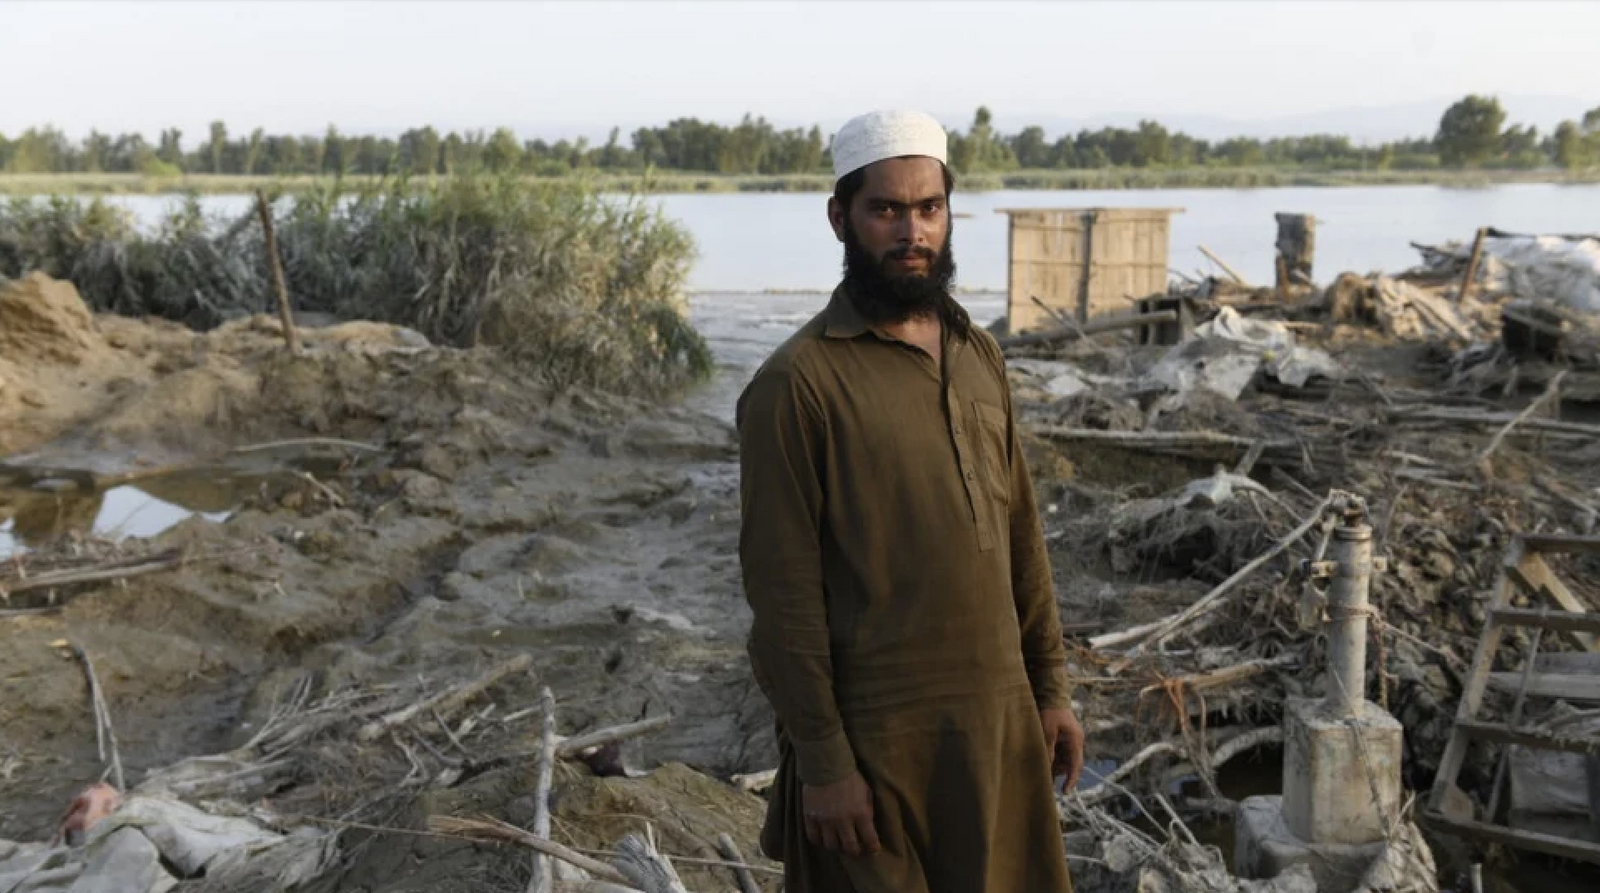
<point>545,68</point>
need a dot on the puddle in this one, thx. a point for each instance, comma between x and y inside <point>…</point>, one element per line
<point>33,516</point>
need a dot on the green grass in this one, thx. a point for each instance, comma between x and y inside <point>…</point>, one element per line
<point>585,289</point>
<point>674,182</point>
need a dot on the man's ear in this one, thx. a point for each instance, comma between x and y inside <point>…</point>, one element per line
<point>836,214</point>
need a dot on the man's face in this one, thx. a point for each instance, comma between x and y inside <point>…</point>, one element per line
<point>896,234</point>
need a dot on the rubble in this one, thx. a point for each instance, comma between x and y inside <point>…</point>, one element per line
<point>414,517</point>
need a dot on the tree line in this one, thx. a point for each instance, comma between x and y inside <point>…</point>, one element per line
<point>1471,133</point>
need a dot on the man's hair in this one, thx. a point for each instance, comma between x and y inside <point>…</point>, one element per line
<point>844,192</point>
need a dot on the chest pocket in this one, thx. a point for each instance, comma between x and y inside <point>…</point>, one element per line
<point>992,448</point>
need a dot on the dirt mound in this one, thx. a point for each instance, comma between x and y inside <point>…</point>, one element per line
<point>44,320</point>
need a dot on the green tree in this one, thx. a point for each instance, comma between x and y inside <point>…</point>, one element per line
<point>252,152</point>
<point>1469,131</point>
<point>218,145</point>
<point>1030,148</point>
<point>503,153</point>
<point>334,158</point>
<point>171,151</point>
<point>1572,151</point>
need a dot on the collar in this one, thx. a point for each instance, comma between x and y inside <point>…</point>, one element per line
<point>841,319</point>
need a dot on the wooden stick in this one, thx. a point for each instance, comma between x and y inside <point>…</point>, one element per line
<point>103,730</point>
<point>645,867</point>
<point>1555,426</point>
<point>446,701</point>
<point>494,829</point>
<point>567,748</point>
<point>591,887</point>
<point>90,575</point>
<point>1092,327</point>
<point>275,267</point>
<point>542,874</point>
<point>1226,675</point>
<point>730,851</point>
<point>1472,264</point>
<point>1232,273</point>
<point>1550,391</point>
<point>307,441</point>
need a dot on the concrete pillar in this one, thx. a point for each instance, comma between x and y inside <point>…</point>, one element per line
<point>1297,247</point>
<point>1341,766</point>
<point>1347,615</point>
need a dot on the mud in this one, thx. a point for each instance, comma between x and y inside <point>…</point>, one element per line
<point>487,516</point>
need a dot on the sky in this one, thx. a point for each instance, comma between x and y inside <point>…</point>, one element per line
<point>577,68</point>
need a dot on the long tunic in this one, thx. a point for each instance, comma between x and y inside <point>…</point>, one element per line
<point>905,622</point>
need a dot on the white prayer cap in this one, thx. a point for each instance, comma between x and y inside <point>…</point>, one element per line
<point>886,134</point>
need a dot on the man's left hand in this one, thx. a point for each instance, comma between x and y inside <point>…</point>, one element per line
<point>1063,736</point>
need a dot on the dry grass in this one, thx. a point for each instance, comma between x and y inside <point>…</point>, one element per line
<point>583,287</point>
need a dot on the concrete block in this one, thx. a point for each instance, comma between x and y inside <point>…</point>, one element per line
<point>1265,848</point>
<point>1327,789</point>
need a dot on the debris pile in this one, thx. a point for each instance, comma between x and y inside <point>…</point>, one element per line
<point>1184,486</point>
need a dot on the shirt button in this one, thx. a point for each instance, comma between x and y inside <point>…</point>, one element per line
<point>969,475</point>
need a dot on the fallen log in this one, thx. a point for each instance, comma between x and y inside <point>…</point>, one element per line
<point>1092,327</point>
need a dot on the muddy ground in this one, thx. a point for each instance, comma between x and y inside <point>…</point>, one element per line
<point>400,518</point>
<point>490,517</point>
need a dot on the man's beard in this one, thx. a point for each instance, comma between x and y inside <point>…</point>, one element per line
<point>882,296</point>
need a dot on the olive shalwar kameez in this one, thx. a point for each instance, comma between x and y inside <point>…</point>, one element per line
<point>905,619</point>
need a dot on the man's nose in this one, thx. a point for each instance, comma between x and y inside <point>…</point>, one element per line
<point>913,230</point>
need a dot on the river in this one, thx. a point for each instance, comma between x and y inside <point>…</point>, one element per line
<point>767,260</point>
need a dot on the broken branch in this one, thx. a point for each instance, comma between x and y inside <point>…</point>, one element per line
<point>447,701</point>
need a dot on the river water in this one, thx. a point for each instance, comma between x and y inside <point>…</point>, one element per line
<point>767,260</point>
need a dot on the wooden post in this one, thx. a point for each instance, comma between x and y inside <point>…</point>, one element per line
<point>1297,247</point>
<point>275,268</point>
<point>1084,281</point>
<point>1472,264</point>
<point>543,871</point>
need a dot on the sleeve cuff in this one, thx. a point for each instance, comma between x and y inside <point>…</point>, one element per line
<point>825,761</point>
<point>1051,687</point>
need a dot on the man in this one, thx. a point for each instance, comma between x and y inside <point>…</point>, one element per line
<point>906,629</point>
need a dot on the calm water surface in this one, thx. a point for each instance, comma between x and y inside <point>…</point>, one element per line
<point>763,241</point>
<point>756,250</point>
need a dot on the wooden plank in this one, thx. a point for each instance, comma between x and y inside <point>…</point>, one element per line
<point>1500,733</point>
<point>1567,686</point>
<point>1565,847</point>
<point>1532,572</point>
<point>1477,681</point>
<point>1551,542</point>
<point>1545,618</point>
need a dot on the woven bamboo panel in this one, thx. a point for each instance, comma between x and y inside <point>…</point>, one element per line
<point>1084,262</point>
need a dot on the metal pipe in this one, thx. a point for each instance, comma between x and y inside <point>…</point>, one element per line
<point>1347,614</point>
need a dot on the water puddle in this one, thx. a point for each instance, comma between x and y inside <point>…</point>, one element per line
<point>38,512</point>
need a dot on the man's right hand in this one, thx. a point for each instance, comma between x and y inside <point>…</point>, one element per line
<point>839,816</point>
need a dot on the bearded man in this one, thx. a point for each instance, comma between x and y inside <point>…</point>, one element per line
<point>905,624</point>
